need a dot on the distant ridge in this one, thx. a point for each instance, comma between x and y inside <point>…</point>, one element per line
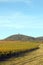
<point>20,37</point>
<point>39,38</point>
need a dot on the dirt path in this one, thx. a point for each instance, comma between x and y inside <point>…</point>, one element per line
<point>32,58</point>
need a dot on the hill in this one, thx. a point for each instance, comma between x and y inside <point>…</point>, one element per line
<point>19,37</point>
<point>39,38</point>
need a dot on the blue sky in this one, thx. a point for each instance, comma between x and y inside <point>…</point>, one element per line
<point>21,16</point>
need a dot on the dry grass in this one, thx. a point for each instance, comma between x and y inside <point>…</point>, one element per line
<point>15,46</point>
<point>32,58</point>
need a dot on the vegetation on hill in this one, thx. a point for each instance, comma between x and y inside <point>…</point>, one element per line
<point>19,37</point>
<point>39,39</point>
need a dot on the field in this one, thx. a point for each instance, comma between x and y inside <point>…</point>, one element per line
<point>16,46</point>
<point>29,58</point>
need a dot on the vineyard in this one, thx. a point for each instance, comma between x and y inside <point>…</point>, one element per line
<point>16,46</point>
<point>31,58</point>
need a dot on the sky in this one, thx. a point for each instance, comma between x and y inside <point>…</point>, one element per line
<point>21,17</point>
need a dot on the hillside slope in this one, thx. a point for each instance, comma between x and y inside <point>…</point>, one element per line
<point>19,37</point>
<point>39,38</point>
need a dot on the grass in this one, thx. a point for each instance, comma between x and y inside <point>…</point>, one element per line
<point>16,46</point>
<point>32,58</point>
